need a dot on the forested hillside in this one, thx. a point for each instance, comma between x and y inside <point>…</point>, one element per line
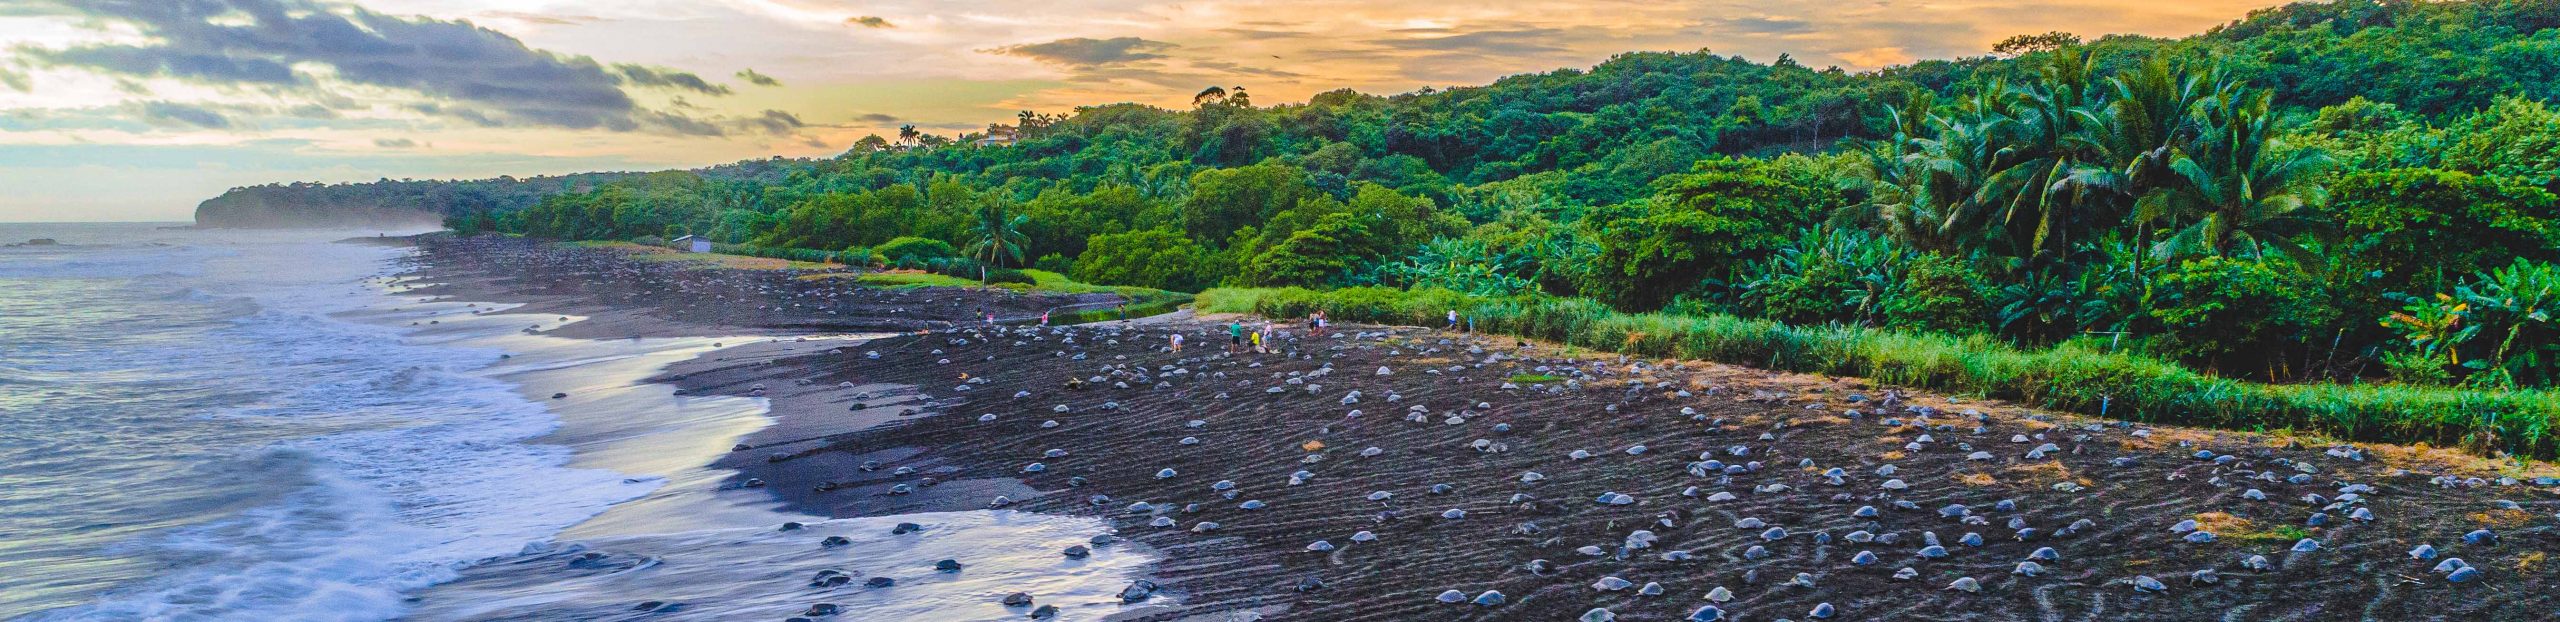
<point>2350,189</point>
<point>412,202</point>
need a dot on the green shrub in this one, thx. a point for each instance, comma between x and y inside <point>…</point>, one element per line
<point>1156,258</point>
<point>1009,275</point>
<point>911,247</point>
<point>1054,262</point>
<point>2226,311</point>
<point>1854,277</point>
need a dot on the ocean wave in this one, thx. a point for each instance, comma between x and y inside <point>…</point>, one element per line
<point>416,462</point>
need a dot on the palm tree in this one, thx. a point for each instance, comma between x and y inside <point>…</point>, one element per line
<point>997,234</point>
<point>2238,189</point>
<point>1958,163</point>
<point>2149,114</point>
<point>2050,139</point>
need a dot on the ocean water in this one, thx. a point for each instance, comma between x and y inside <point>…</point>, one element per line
<point>225,425</point>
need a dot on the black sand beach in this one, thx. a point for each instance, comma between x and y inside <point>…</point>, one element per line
<point>1657,483</point>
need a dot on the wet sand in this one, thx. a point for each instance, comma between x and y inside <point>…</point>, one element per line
<point>1708,459</point>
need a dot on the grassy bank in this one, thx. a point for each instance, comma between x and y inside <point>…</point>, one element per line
<point>2071,377</point>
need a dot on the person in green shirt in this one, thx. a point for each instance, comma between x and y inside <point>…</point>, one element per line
<point>1235,335</point>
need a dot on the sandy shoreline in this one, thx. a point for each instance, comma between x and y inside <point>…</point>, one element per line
<point>1478,432</point>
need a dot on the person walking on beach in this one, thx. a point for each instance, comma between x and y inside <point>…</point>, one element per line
<point>1044,318</point>
<point>1453,320</point>
<point>1235,336</point>
<point>1177,342</point>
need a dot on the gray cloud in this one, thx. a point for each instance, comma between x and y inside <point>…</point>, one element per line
<point>662,78</point>
<point>172,113</point>
<point>474,74</point>
<point>757,79</point>
<point>15,81</point>
<point>875,117</point>
<point>395,143</point>
<point>1083,52</point>
<point>773,122</point>
<point>1761,25</point>
<point>1522,42</point>
<point>868,21</point>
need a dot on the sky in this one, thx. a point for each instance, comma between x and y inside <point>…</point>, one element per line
<point>121,110</point>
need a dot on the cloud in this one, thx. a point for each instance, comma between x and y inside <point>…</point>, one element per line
<point>669,79</point>
<point>395,143</point>
<point>464,71</point>
<point>773,122</point>
<point>757,79</point>
<point>159,62</point>
<point>177,114</point>
<point>1083,52</point>
<point>875,117</point>
<point>1522,42</point>
<point>1761,25</point>
<point>868,21</point>
<point>16,81</point>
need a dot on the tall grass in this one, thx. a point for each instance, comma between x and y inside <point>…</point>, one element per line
<point>2070,377</point>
